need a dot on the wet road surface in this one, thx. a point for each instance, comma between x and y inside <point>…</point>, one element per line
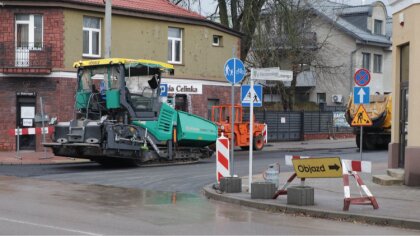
<point>88,199</point>
<point>182,178</point>
<point>39,207</point>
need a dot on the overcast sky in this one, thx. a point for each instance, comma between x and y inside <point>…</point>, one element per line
<point>208,6</point>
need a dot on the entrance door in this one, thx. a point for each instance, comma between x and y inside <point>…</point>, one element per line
<point>403,124</point>
<point>26,119</point>
<point>404,82</point>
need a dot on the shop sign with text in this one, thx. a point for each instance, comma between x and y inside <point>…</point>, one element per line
<point>185,88</point>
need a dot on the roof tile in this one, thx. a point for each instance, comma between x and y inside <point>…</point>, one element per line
<point>151,6</point>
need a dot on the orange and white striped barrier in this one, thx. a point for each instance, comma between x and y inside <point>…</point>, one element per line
<point>222,158</point>
<point>31,131</point>
<point>350,168</point>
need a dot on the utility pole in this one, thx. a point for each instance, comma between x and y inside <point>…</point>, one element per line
<point>108,27</point>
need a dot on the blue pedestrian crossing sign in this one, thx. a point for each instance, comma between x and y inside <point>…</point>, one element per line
<point>361,95</point>
<point>234,70</point>
<point>163,90</point>
<point>247,98</point>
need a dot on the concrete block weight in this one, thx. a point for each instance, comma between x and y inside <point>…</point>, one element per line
<point>300,195</point>
<point>231,185</point>
<point>262,190</point>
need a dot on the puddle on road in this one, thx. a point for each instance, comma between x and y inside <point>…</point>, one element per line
<point>154,207</point>
<point>109,196</point>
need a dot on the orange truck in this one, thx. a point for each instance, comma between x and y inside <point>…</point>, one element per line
<point>221,115</point>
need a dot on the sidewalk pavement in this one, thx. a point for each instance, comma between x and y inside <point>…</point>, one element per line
<point>317,144</point>
<point>399,206</point>
<point>35,158</point>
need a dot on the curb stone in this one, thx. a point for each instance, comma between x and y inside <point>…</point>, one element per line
<point>324,214</point>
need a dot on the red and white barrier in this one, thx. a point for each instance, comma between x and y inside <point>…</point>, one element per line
<point>350,168</point>
<point>222,158</point>
<point>31,131</point>
<point>288,159</point>
<point>360,166</point>
<point>265,133</point>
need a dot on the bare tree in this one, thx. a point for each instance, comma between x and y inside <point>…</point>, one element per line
<point>188,4</point>
<point>244,15</point>
<point>240,15</point>
<point>285,37</point>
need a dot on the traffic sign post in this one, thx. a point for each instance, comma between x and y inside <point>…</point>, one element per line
<point>247,98</point>
<point>361,95</point>
<point>163,90</point>
<point>361,118</point>
<point>261,74</point>
<point>362,77</point>
<point>234,71</point>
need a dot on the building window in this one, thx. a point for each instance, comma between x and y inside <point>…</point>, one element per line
<point>175,45</point>
<point>181,102</point>
<point>210,104</point>
<point>321,98</point>
<point>91,37</point>
<point>217,40</point>
<point>29,31</point>
<point>366,61</point>
<point>377,28</point>
<point>377,63</point>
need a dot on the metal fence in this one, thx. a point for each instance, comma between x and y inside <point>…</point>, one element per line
<point>292,126</point>
<point>28,55</point>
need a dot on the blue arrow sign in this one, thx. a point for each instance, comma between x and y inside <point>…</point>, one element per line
<point>163,90</point>
<point>361,95</point>
<point>234,70</point>
<point>246,97</point>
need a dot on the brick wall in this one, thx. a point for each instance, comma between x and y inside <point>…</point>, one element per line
<point>53,29</point>
<point>223,93</point>
<point>57,94</point>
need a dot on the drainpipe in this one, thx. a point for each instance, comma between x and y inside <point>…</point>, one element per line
<point>108,27</point>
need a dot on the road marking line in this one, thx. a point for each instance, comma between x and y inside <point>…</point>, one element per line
<point>48,226</point>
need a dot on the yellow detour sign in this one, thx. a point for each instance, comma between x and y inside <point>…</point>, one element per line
<point>325,167</point>
<point>361,118</point>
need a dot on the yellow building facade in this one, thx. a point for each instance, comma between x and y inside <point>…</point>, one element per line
<point>404,149</point>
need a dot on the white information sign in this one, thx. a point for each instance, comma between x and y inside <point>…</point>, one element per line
<point>27,112</point>
<point>27,122</point>
<point>272,74</point>
<point>283,120</point>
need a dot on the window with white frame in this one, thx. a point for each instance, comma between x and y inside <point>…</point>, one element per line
<point>217,40</point>
<point>377,63</point>
<point>91,36</point>
<point>29,31</point>
<point>174,45</point>
<point>366,61</point>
